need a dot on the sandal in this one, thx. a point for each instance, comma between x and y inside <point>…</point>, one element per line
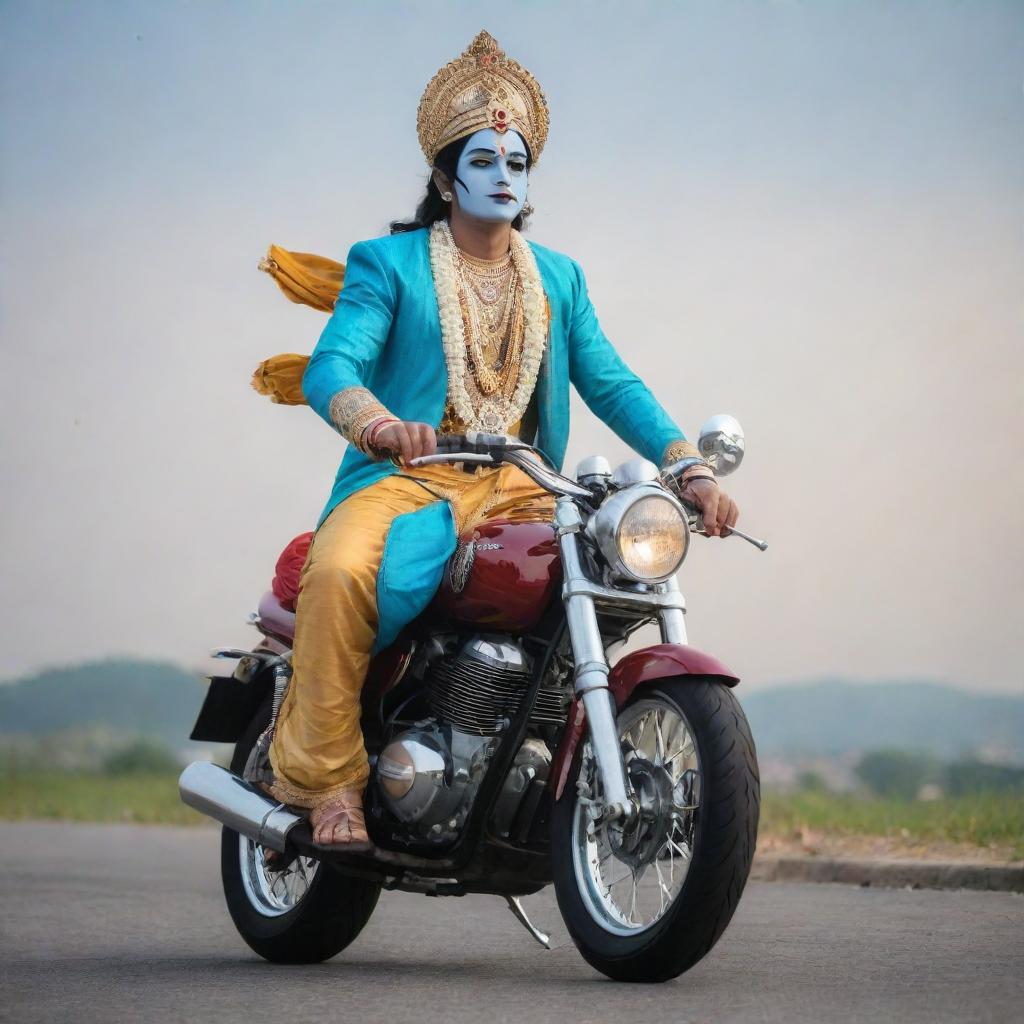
<point>339,825</point>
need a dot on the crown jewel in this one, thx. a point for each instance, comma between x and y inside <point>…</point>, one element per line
<point>482,88</point>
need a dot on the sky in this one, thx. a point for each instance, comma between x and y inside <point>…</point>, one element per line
<point>807,215</point>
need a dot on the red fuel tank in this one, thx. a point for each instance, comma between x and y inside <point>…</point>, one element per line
<point>503,575</point>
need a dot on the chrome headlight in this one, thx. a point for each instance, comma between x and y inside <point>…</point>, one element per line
<point>642,532</point>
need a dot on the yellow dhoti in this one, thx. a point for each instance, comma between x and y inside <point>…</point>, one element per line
<point>318,746</point>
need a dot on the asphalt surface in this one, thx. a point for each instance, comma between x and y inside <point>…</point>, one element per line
<point>122,923</point>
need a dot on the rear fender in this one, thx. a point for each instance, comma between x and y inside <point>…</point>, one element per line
<point>639,668</point>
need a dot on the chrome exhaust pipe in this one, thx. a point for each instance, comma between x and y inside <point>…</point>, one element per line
<point>216,792</point>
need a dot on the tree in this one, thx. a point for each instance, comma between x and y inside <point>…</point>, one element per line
<point>897,773</point>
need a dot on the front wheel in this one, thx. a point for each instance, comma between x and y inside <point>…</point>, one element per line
<point>646,902</point>
<point>302,914</point>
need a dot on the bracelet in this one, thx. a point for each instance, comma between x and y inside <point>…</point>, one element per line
<point>368,440</point>
<point>697,473</point>
<point>371,431</point>
<point>687,467</point>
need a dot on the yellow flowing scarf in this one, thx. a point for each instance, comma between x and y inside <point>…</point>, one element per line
<point>309,280</point>
<point>304,277</point>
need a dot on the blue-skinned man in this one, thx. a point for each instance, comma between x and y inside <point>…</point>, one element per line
<point>453,322</point>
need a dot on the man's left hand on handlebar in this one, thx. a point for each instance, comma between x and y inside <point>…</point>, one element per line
<point>718,510</point>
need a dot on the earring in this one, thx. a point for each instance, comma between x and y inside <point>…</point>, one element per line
<point>527,210</point>
<point>446,196</point>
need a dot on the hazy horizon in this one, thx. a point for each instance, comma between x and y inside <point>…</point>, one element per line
<point>806,215</point>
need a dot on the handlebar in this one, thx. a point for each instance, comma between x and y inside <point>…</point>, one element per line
<point>476,441</point>
<point>479,448</point>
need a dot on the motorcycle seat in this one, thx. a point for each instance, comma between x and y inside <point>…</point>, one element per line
<point>275,618</point>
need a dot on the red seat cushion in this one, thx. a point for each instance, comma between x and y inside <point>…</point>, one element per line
<point>288,569</point>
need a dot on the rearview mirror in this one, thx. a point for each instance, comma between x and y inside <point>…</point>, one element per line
<point>721,443</point>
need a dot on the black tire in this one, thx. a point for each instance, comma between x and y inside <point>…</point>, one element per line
<point>724,837</point>
<point>332,913</point>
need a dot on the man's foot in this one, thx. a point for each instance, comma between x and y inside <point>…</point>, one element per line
<point>340,825</point>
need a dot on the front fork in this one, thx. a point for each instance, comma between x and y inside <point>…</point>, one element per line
<point>591,673</point>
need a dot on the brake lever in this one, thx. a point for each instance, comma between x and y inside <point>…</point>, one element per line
<point>761,545</point>
<point>697,526</point>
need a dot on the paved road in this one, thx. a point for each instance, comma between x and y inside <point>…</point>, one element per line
<point>118,923</point>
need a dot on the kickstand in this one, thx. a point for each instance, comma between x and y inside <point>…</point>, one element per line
<point>517,908</point>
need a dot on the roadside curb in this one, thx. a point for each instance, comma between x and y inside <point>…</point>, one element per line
<point>891,874</point>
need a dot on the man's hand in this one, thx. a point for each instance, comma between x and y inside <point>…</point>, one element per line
<point>718,510</point>
<point>406,439</point>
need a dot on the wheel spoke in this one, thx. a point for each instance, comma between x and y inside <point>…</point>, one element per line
<point>685,749</point>
<point>646,730</point>
<point>612,864</point>
<point>673,845</point>
<point>270,892</point>
<point>664,892</point>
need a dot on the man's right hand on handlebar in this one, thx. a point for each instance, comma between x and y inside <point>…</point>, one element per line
<point>405,439</point>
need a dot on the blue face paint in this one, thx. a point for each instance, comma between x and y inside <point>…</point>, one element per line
<point>491,168</point>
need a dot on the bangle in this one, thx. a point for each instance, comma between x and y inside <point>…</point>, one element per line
<point>697,473</point>
<point>680,473</point>
<point>685,468</point>
<point>367,443</point>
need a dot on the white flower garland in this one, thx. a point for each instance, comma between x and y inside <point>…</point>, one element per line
<point>453,332</point>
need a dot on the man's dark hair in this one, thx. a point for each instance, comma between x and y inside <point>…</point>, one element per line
<point>432,207</point>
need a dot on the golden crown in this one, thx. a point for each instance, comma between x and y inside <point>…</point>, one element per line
<point>481,89</point>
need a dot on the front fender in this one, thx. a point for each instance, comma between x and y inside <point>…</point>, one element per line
<point>658,661</point>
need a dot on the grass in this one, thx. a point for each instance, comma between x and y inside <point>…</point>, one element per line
<point>152,798</point>
<point>144,799</point>
<point>983,820</point>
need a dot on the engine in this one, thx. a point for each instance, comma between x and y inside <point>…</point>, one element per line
<point>428,776</point>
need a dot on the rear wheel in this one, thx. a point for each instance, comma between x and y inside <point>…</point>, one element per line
<point>306,912</point>
<point>645,903</point>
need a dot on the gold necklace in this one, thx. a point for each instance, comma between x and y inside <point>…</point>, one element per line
<point>488,278</point>
<point>490,327</point>
<point>494,374</point>
<point>527,336</point>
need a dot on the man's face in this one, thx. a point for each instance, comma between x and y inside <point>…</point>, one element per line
<point>491,176</point>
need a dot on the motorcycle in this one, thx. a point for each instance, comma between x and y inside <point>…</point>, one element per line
<point>506,752</point>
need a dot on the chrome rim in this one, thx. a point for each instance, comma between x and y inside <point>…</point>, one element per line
<point>630,878</point>
<point>273,893</point>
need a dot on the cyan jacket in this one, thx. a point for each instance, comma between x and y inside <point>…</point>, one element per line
<point>385,335</point>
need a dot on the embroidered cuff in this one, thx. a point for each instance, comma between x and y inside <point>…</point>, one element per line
<point>352,411</point>
<point>679,450</point>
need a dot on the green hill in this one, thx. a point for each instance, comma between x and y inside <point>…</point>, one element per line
<point>831,718</point>
<point>146,698</point>
<point>160,701</point>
